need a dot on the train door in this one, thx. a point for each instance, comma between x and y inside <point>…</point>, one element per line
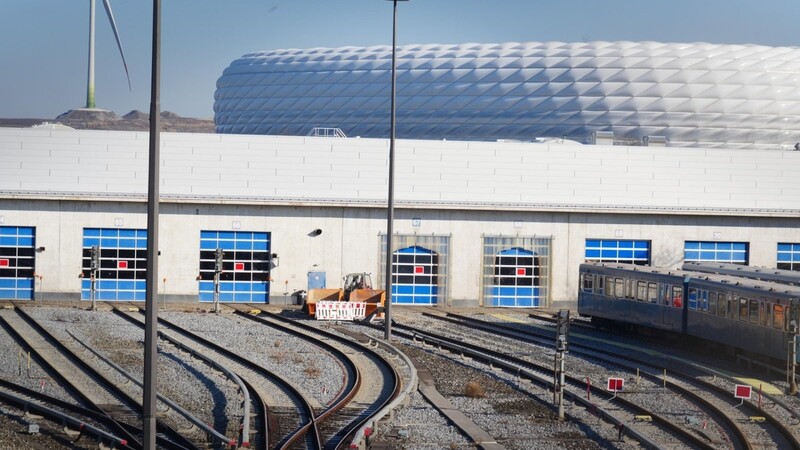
<point>17,249</point>
<point>246,260</point>
<point>516,279</point>
<point>122,257</point>
<point>415,276</point>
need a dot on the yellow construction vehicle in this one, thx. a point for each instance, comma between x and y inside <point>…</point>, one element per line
<point>357,288</point>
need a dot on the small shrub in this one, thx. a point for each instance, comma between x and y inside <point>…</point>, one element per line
<point>297,359</point>
<point>474,390</point>
<point>276,344</point>
<point>279,357</point>
<point>312,371</point>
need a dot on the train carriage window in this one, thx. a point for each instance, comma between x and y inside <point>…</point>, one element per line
<point>762,313</point>
<point>599,282</point>
<point>677,296</point>
<point>722,306</point>
<point>777,317</point>
<point>587,282</point>
<point>743,309</point>
<point>641,291</point>
<point>712,302</point>
<point>619,287</point>
<point>609,287</point>
<point>787,312</point>
<point>652,292</point>
<point>754,311</point>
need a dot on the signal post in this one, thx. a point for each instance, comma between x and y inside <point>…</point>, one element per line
<point>562,333</point>
<point>219,256</point>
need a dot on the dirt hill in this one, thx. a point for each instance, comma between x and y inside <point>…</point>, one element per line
<point>97,119</point>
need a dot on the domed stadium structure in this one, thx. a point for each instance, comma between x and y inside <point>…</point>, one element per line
<point>696,95</point>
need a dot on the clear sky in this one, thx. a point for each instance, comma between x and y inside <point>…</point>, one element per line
<point>45,42</point>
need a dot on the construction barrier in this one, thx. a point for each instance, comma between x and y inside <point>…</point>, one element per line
<point>332,310</point>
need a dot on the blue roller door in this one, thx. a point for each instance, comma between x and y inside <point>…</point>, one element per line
<point>415,276</point>
<point>245,273</point>
<point>17,249</point>
<point>516,279</point>
<point>123,264</point>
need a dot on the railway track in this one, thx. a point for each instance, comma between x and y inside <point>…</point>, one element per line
<point>295,423</point>
<point>354,406</point>
<point>742,422</point>
<point>74,420</point>
<point>100,393</point>
<point>657,431</point>
<point>779,417</point>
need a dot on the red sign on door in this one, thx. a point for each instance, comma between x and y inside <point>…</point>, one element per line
<point>419,269</point>
<point>743,391</point>
<point>238,266</point>
<point>3,263</point>
<point>615,384</point>
<point>520,272</point>
<point>122,264</point>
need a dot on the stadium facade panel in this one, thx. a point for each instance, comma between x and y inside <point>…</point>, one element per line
<point>694,94</point>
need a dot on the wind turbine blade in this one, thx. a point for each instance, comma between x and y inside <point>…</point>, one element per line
<point>107,5</point>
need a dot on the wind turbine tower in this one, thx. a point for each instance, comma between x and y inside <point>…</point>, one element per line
<point>90,104</point>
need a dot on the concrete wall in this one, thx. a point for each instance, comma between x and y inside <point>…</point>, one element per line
<point>351,238</point>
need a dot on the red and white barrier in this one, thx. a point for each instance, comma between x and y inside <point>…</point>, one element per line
<point>332,310</point>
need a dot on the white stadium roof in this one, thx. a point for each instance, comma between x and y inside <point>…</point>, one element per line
<point>694,94</point>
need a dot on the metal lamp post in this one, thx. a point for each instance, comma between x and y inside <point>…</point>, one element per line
<point>151,294</point>
<point>390,215</point>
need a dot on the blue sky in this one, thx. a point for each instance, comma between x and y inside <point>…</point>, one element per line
<point>45,42</point>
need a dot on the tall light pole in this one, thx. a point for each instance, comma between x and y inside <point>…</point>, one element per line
<point>390,216</point>
<point>151,293</point>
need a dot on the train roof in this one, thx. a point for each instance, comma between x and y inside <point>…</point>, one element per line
<point>760,273</point>
<point>749,284</point>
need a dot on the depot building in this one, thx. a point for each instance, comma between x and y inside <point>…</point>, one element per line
<point>495,224</point>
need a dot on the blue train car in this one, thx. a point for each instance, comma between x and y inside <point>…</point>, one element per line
<point>637,295</point>
<point>747,316</point>
<point>750,315</point>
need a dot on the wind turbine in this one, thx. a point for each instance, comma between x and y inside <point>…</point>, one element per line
<point>90,84</point>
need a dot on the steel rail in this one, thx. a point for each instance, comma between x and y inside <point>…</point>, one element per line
<point>785,430</point>
<point>182,411</point>
<point>351,432</point>
<point>189,416</point>
<point>306,409</point>
<point>519,366</point>
<point>179,441</point>
<point>358,438</point>
<point>53,415</point>
<point>132,440</point>
<point>576,345</point>
<point>352,382</point>
<point>72,408</point>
